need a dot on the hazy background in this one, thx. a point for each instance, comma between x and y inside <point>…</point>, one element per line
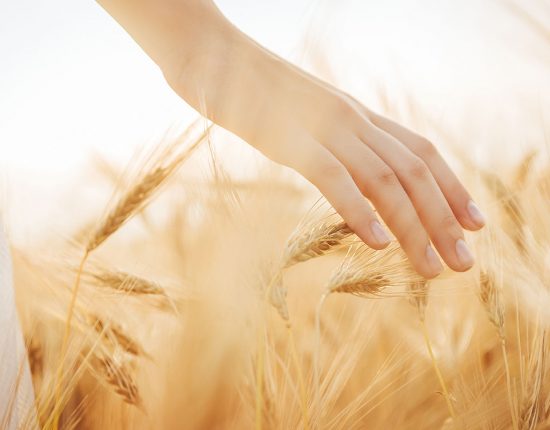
<point>72,83</point>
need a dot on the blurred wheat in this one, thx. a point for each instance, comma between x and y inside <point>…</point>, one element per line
<point>132,362</point>
<point>230,308</point>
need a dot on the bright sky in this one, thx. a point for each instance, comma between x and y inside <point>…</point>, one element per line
<point>72,82</point>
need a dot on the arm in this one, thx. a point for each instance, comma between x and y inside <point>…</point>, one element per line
<point>351,154</point>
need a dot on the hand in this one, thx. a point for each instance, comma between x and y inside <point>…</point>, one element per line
<point>351,154</point>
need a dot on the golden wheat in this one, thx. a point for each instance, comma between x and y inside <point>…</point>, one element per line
<point>119,377</point>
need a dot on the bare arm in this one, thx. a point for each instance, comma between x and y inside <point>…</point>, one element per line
<point>354,156</point>
<point>171,32</point>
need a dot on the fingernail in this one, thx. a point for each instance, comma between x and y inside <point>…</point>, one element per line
<point>433,260</point>
<point>475,213</point>
<point>464,254</point>
<point>379,233</point>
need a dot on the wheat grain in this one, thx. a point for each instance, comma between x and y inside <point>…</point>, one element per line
<point>119,377</point>
<point>490,296</point>
<point>511,207</point>
<point>314,240</point>
<point>116,336</point>
<point>127,283</point>
<point>164,162</point>
<point>368,273</point>
<point>359,284</point>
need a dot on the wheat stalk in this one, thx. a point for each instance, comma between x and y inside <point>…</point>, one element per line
<point>490,296</point>
<point>529,408</point>
<point>274,291</point>
<point>524,169</point>
<point>162,165</point>
<point>364,272</point>
<point>164,162</point>
<point>369,273</point>
<point>419,298</point>
<point>309,240</point>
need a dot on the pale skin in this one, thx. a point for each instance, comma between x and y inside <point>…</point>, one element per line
<point>358,159</point>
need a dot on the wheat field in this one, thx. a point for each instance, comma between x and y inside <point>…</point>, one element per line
<point>244,305</point>
<point>211,302</point>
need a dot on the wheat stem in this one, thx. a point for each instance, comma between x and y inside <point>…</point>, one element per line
<point>64,344</point>
<point>508,383</point>
<point>259,380</point>
<point>260,362</point>
<point>437,370</point>
<point>317,355</point>
<point>301,383</point>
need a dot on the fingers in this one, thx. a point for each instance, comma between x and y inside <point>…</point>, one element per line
<point>377,181</point>
<point>462,205</point>
<point>426,196</point>
<point>330,176</point>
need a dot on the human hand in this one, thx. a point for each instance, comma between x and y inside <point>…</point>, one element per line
<point>351,154</point>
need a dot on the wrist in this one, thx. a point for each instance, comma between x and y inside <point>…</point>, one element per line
<point>219,76</point>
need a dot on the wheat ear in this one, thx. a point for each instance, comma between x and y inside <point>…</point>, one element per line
<point>119,377</point>
<point>313,240</point>
<point>368,273</point>
<point>116,336</point>
<point>162,166</point>
<point>510,205</point>
<point>127,283</point>
<point>309,240</point>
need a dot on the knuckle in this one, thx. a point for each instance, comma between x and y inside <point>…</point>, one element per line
<point>393,215</point>
<point>356,215</point>
<point>342,108</point>
<point>369,130</point>
<point>410,234</point>
<point>328,169</point>
<point>426,148</point>
<point>448,222</point>
<point>386,176</point>
<point>417,169</point>
<point>408,229</point>
<point>458,193</point>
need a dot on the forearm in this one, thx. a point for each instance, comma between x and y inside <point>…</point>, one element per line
<point>173,32</point>
<point>205,58</point>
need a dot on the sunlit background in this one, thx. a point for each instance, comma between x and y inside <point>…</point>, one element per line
<point>73,84</point>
